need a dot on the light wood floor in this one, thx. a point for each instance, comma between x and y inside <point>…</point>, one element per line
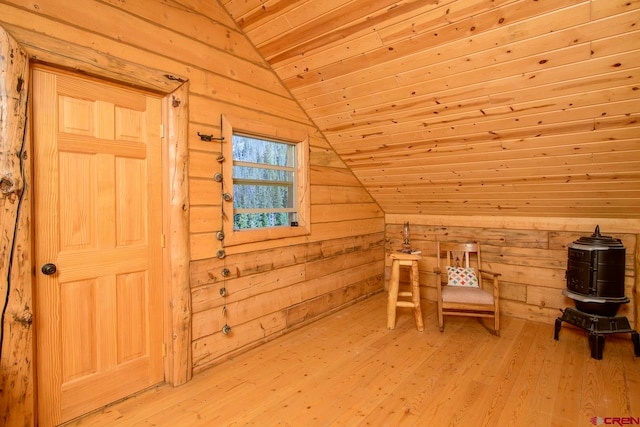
<point>348,369</point>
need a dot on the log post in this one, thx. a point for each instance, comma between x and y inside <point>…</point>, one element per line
<point>177,266</point>
<point>16,343</point>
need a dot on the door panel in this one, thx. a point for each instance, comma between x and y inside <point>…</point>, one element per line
<point>97,187</point>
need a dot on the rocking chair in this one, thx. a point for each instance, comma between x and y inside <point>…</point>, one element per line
<point>460,285</point>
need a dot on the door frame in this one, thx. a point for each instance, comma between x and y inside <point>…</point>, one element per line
<point>175,254</point>
<point>19,357</point>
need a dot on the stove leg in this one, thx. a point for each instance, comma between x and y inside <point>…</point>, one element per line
<point>596,342</point>
<point>557,328</point>
<point>635,338</point>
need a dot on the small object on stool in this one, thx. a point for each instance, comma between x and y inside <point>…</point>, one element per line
<point>406,245</point>
<point>409,260</point>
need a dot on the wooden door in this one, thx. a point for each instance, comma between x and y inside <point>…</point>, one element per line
<point>98,220</point>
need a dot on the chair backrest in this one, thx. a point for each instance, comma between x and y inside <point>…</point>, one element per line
<point>458,255</point>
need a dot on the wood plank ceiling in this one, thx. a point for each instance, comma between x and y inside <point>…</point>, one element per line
<point>482,107</point>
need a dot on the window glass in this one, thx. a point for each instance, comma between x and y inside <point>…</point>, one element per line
<point>264,181</point>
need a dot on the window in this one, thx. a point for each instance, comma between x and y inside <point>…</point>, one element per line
<point>265,181</point>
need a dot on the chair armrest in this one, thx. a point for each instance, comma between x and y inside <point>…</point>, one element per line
<point>496,288</point>
<point>492,273</point>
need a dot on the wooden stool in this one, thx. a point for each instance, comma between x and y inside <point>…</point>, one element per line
<point>408,260</point>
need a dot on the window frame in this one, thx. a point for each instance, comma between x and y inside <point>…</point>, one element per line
<point>290,134</point>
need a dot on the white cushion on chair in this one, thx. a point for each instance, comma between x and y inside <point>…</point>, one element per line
<point>466,294</point>
<point>462,276</point>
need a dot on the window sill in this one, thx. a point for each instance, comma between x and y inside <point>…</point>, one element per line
<point>241,237</point>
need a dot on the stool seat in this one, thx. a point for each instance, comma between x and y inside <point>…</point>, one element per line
<point>399,259</point>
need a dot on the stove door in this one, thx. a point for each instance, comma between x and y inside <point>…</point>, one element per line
<point>580,272</point>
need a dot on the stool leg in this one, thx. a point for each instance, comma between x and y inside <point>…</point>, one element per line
<point>393,294</point>
<point>415,296</point>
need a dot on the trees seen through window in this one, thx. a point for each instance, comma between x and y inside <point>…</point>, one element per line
<point>264,182</point>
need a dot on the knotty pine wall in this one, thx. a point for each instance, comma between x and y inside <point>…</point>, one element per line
<point>530,253</point>
<point>502,107</point>
<point>274,285</point>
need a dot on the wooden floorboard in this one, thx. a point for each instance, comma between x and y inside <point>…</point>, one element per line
<point>348,369</point>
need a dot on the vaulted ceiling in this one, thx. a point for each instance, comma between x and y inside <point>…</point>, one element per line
<point>483,107</point>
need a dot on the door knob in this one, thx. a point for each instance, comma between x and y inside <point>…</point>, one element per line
<point>48,269</point>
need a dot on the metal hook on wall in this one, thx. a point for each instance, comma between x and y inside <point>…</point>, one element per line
<point>209,138</point>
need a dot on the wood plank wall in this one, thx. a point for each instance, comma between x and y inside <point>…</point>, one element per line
<point>530,253</point>
<point>273,286</point>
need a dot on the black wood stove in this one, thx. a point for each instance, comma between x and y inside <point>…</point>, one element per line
<point>595,282</point>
